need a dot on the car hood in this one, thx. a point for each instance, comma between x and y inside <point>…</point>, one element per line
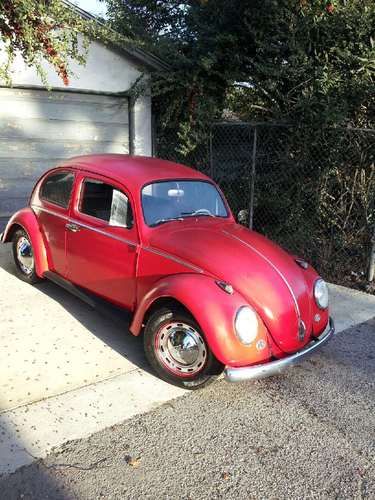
<point>264,274</point>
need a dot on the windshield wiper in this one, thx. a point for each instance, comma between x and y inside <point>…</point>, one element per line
<point>163,221</point>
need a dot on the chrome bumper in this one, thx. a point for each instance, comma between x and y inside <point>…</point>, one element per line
<point>256,372</point>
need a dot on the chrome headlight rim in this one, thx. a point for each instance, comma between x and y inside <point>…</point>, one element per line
<point>246,328</point>
<point>321,294</point>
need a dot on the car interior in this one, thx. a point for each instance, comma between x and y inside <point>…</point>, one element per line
<point>104,202</point>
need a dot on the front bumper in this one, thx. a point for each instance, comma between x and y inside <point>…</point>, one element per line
<point>256,372</point>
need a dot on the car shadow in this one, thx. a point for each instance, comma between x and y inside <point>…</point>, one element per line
<point>94,319</point>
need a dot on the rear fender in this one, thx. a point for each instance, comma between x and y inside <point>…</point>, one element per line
<point>26,219</point>
<point>215,312</point>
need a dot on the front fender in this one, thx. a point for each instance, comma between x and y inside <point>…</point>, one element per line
<point>26,219</point>
<point>213,309</point>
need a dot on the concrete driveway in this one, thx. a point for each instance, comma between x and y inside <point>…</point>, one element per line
<point>52,343</point>
<point>67,370</point>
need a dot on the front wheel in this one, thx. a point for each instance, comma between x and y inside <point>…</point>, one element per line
<point>177,350</point>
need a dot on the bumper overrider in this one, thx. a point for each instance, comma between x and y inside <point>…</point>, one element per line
<point>256,372</point>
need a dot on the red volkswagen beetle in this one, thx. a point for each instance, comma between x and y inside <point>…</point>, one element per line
<point>159,239</point>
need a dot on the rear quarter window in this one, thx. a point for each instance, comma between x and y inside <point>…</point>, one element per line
<point>57,188</point>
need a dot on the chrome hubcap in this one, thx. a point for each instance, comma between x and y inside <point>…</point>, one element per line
<point>25,255</point>
<point>181,349</point>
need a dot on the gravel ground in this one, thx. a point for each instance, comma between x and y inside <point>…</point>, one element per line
<point>309,433</point>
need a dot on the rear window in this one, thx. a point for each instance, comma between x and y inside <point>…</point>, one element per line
<point>57,188</point>
<point>105,202</point>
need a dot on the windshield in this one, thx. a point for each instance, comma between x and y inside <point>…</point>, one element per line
<point>177,200</point>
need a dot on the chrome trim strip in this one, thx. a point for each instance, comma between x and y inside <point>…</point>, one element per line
<point>257,372</point>
<point>172,257</point>
<point>51,212</point>
<point>86,226</point>
<point>274,268</point>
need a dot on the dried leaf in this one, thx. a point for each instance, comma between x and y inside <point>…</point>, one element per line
<point>133,461</point>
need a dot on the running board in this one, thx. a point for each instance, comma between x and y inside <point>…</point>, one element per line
<point>70,287</point>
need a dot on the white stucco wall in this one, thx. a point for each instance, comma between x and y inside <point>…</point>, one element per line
<point>106,70</point>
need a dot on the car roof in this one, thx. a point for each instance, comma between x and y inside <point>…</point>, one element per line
<point>133,171</point>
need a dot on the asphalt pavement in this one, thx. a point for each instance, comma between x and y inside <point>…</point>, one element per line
<point>309,433</point>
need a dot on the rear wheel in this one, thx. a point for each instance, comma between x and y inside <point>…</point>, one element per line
<point>24,257</point>
<point>177,350</point>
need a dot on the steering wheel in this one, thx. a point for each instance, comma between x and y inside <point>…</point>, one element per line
<point>203,211</point>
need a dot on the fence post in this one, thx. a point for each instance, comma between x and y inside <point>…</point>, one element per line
<point>211,156</point>
<point>371,265</point>
<point>252,180</point>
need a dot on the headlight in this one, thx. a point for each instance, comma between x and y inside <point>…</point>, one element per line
<point>321,293</point>
<point>246,325</point>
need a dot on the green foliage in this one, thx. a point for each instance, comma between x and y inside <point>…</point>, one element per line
<point>309,61</point>
<point>200,42</point>
<point>314,63</point>
<point>43,30</point>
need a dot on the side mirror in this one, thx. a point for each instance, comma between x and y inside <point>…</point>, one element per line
<point>243,217</point>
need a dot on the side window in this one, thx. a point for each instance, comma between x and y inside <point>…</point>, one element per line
<point>57,188</point>
<point>107,203</point>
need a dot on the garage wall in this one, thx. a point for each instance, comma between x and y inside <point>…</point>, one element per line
<point>106,70</point>
<point>39,129</point>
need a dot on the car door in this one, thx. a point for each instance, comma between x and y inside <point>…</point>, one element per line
<point>52,206</point>
<point>102,240</point>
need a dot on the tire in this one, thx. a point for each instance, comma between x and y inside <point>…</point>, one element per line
<point>24,257</point>
<point>166,331</point>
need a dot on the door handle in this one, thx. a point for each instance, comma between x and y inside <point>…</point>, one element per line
<point>72,227</point>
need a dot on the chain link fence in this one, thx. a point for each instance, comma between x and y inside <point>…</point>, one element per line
<point>311,191</point>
